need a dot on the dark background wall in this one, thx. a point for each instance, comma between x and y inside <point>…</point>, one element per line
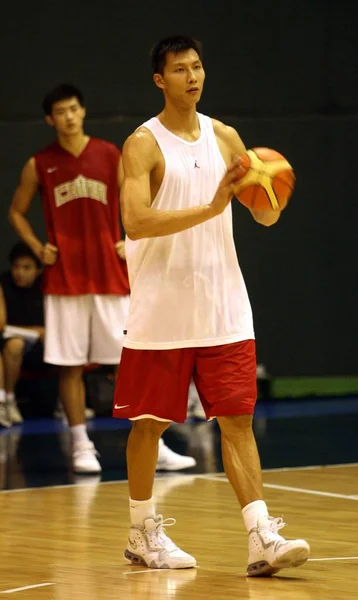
<point>284,74</point>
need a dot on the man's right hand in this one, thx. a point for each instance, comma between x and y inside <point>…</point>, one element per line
<point>48,255</point>
<point>227,186</point>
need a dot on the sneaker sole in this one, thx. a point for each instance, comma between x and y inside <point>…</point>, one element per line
<point>137,560</point>
<point>293,558</point>
<point>86,471</point>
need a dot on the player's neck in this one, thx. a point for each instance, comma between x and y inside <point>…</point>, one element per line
<point>183,123</point>
<point>74,144</point>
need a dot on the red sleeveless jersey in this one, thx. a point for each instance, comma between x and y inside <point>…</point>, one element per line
<point>81,207</point>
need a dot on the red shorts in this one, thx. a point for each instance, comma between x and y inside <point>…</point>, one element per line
<point>155,383</point>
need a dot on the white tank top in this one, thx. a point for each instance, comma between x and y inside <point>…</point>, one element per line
<point>187,289</point>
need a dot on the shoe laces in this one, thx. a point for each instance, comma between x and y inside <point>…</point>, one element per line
<point>276,524</point>
<point>159,534</point>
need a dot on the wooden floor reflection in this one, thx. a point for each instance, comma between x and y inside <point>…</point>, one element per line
<point>68,541</point>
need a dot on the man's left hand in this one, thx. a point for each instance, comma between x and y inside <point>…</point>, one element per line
<point>120,249</point>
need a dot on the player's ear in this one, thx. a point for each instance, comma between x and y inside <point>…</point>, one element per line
<point>49,120</point>
<point>84,112</point>
<point>158,80</point>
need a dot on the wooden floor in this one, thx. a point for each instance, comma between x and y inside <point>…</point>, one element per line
<point>67,543</point>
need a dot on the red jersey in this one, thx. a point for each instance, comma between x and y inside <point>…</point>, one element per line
<point>81,208</point>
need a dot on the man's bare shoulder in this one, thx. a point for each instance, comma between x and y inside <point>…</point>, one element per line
<point>229,136</point>
<point>141,143</point>
<point>29,171</point>
<point>31,163</point>
<point>223,131</point>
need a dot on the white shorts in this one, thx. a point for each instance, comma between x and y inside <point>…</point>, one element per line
<point>84,329</point>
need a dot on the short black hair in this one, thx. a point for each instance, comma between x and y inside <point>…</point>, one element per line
<point>63,91</point>
<point>175,44</point>
<point>22,250</point>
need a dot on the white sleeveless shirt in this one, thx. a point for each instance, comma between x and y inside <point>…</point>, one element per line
<point>187,289</point>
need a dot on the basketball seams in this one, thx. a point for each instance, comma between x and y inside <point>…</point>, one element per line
<point>260,190</point>
<point>285,181</point>
<point>268,184</point>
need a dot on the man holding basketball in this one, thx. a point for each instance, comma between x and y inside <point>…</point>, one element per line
<point>190,314</point>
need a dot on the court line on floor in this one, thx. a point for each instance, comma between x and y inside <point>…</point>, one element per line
<point>149,570</point>
<point>82,484</point>
<point>91,483</point>
<point>333,558</point>
<point>26,587</point>
<point>287,488</point>
<point>66,485</point>
<point>310,468</point>
<point>214,476</point>
<point>141,571</point>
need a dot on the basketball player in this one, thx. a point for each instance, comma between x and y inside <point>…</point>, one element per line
<point>85,280</point>
<point>190,314</point>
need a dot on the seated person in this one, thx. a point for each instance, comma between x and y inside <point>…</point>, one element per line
<point>4,420</point>
<point>21,320</point>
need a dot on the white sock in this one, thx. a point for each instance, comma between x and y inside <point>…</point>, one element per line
<point>10,396</point>
<point>79,434</point>
<point>141,510</point>
<point>2,396</point>
<point>252,512</point>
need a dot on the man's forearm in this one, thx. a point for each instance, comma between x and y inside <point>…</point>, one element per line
<point>157,223</point>
<point>25,231</point>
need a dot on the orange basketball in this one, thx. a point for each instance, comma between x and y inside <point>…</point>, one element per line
<point>268,182</point>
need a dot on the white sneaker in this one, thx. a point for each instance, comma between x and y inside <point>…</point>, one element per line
<point>4,418</point>
<point>14,413</point>
<point>195,408</point>
<point>149,545</point>
<point>171,461</point>
<point>269,552</point>
<point>84,458</point>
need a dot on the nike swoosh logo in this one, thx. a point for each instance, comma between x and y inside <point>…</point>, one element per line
<point>117,406</point>
<point>132,544</point>
<point>52,169</point>
<point>268,544</point>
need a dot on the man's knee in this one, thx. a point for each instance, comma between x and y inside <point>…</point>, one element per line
<point>235,423</point>
<point>69,372</point>
<point>149,427</point>
<point>14,348</point>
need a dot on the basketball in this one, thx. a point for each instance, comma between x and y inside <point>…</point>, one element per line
<point>268,182</point>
